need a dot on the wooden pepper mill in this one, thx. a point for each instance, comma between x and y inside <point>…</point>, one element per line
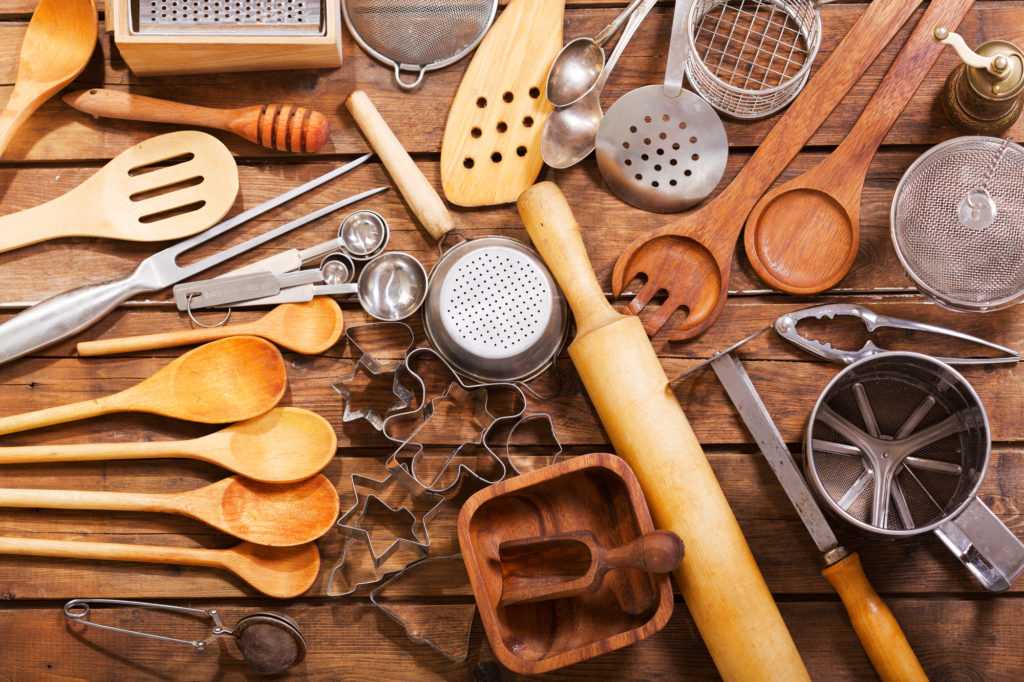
<point>983,95</point>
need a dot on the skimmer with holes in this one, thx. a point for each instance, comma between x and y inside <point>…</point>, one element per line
<point>958,223</point>
<point>418,35</point>
<point>494,312</point>
<point>228,17</point>
<point>661,147</point>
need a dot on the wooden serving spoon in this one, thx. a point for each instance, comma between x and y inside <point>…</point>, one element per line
<point>284,127</point>
<point>57,46</point>
<point>803,236</point>
<point>558,566</point>
<point>261,513</point>
<point>280,572</point>
<point>285,445</point>
<point>222,382</point>
<point>309,328</point>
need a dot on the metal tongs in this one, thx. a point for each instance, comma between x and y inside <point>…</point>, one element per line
<point>786,326</point>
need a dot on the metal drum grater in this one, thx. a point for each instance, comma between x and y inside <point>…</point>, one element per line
<point>228,17</point>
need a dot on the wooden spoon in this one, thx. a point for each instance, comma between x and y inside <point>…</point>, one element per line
<point>803,236</point>
<point>261,513</point>
<point>558,566</point>
<point>222,382</point>
<point>285,445</point>
<point>280,572</point>
<point>57,46</point>
<point>309,328</point>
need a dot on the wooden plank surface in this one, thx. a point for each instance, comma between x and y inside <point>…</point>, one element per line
<point>958,631</point>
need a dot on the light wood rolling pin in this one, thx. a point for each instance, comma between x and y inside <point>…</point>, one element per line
<point>284,127</point>
<point>723,587</point>
<point>423,199</point>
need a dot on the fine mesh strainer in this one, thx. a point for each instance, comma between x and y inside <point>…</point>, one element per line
<point>898,445</point>
<point>494,312</point>
<point>418,35</point>
<point>958,223</point>
<point>228,17</point>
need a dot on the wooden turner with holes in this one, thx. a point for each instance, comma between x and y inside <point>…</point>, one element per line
<point>490,153</point>
<point>167,187</point>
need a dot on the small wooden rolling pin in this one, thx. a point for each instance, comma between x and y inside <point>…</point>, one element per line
<point>718,577</point>
<point>284,127</point>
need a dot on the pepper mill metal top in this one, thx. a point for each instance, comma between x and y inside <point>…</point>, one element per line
<point>984,94</point>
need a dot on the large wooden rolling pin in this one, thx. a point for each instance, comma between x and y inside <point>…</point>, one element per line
<point>718,577</point>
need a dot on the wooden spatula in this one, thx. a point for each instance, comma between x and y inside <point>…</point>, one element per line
<point>57,46</point>
<point>558,566</point>
<point>167,187</point>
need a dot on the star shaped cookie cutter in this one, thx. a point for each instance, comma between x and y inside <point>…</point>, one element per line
<point>367,364</point>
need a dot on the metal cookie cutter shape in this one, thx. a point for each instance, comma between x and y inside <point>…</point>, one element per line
<point>522,465</point>
<point>786,326</point>
<point>425,409</point>
<point>368,365</point>
<point>423,505</point>
<point>270,643</point>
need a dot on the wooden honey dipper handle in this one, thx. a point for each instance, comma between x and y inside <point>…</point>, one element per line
<point>284,127</point>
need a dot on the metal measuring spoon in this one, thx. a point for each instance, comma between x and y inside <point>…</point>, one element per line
<point>575,72</point>
<point>364,234</point>
<point>337,268</point>
<point>570,133</point>
<point>391,287</point>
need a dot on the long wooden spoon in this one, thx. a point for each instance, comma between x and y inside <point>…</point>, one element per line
<point>280,572</point>
<point>309,328</point>
<point>57,46</point>
<point>803,236</point>
<point>222,382</point>
<point>261,513</point>
<point>285,445</point>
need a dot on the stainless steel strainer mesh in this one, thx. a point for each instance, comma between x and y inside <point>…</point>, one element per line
<point>175,17</point>
<point>958,223</point>
<point>418,35</point>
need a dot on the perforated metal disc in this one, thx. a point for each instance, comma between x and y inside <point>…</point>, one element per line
<point>493,310</point>
<point>661,153</point>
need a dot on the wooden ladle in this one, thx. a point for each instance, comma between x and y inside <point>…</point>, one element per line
<point>309,328</point>
<point>558,566</point>
<point>261,513</point>
<point>222,382</point>
<point>57,46</point>
<point>285,445</point>
<point>280,572</point>
<point>803,236</point>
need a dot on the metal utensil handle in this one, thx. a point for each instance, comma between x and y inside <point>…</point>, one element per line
<point>678,50</point>
<point>635,19</point>
<point>79,611</point>
<point>983,543</point>
<point>611,29</point>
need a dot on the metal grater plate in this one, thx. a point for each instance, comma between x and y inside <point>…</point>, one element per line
<point>229,17</point>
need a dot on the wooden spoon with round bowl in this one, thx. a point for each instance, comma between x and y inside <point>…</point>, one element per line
<point>221,382</point>
<point>285,445</point>
<point>309,328</point>
<point>803,236</point>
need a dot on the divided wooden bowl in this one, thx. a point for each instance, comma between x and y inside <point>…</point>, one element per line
<point>598,493</point>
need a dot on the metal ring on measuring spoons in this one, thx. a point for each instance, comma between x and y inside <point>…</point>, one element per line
<point>196,323</point>
<point>364,234</point>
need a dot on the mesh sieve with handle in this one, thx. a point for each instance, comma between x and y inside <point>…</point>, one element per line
<point>418,35</point>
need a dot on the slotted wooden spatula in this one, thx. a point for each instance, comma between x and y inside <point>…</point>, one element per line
<point>167,187</point>
<point>490,153</point>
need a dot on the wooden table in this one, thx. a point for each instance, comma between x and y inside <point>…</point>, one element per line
<point>958,631</point>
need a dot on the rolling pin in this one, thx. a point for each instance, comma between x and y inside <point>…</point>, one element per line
<point>423,199</point>
<point>719,579</point>
<point>284,127</point>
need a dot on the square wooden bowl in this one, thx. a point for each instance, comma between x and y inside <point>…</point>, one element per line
<point>597,493</point>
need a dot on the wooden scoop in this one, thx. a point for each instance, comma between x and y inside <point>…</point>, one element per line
<point>285,127</point>
<point>285,445</point>
<point>803,236</point>
<point>222,382</point>
<point>57,46</point>
<point>309,328</point>
<point>167,187</point>
<point>261,513</point>
<point>558,566</point>
<point>280,572</point>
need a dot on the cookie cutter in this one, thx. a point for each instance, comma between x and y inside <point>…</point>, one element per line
<point>367,364</point>
<point>545,417</point>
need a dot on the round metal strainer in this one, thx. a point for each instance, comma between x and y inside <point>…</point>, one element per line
<point>958,223</point>
<point>418,35</point>
<point>494,312</point>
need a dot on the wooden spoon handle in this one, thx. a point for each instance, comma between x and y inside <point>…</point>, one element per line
<point>19,108</point>
<point>879,632</point>
<point>110,551</point>
<point>96,452</point>
<point>90,500</point>
<point>132,344</point>
<point>56,415</point>
<point>657,552</point>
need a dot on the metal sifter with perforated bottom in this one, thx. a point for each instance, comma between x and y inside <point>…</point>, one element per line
<point>958,223</point>
<point>494,312</point>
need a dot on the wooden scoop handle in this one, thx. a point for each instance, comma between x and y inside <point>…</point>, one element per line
<point>879,632</point>
<point>284,127</point>
<point>657,552</point>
